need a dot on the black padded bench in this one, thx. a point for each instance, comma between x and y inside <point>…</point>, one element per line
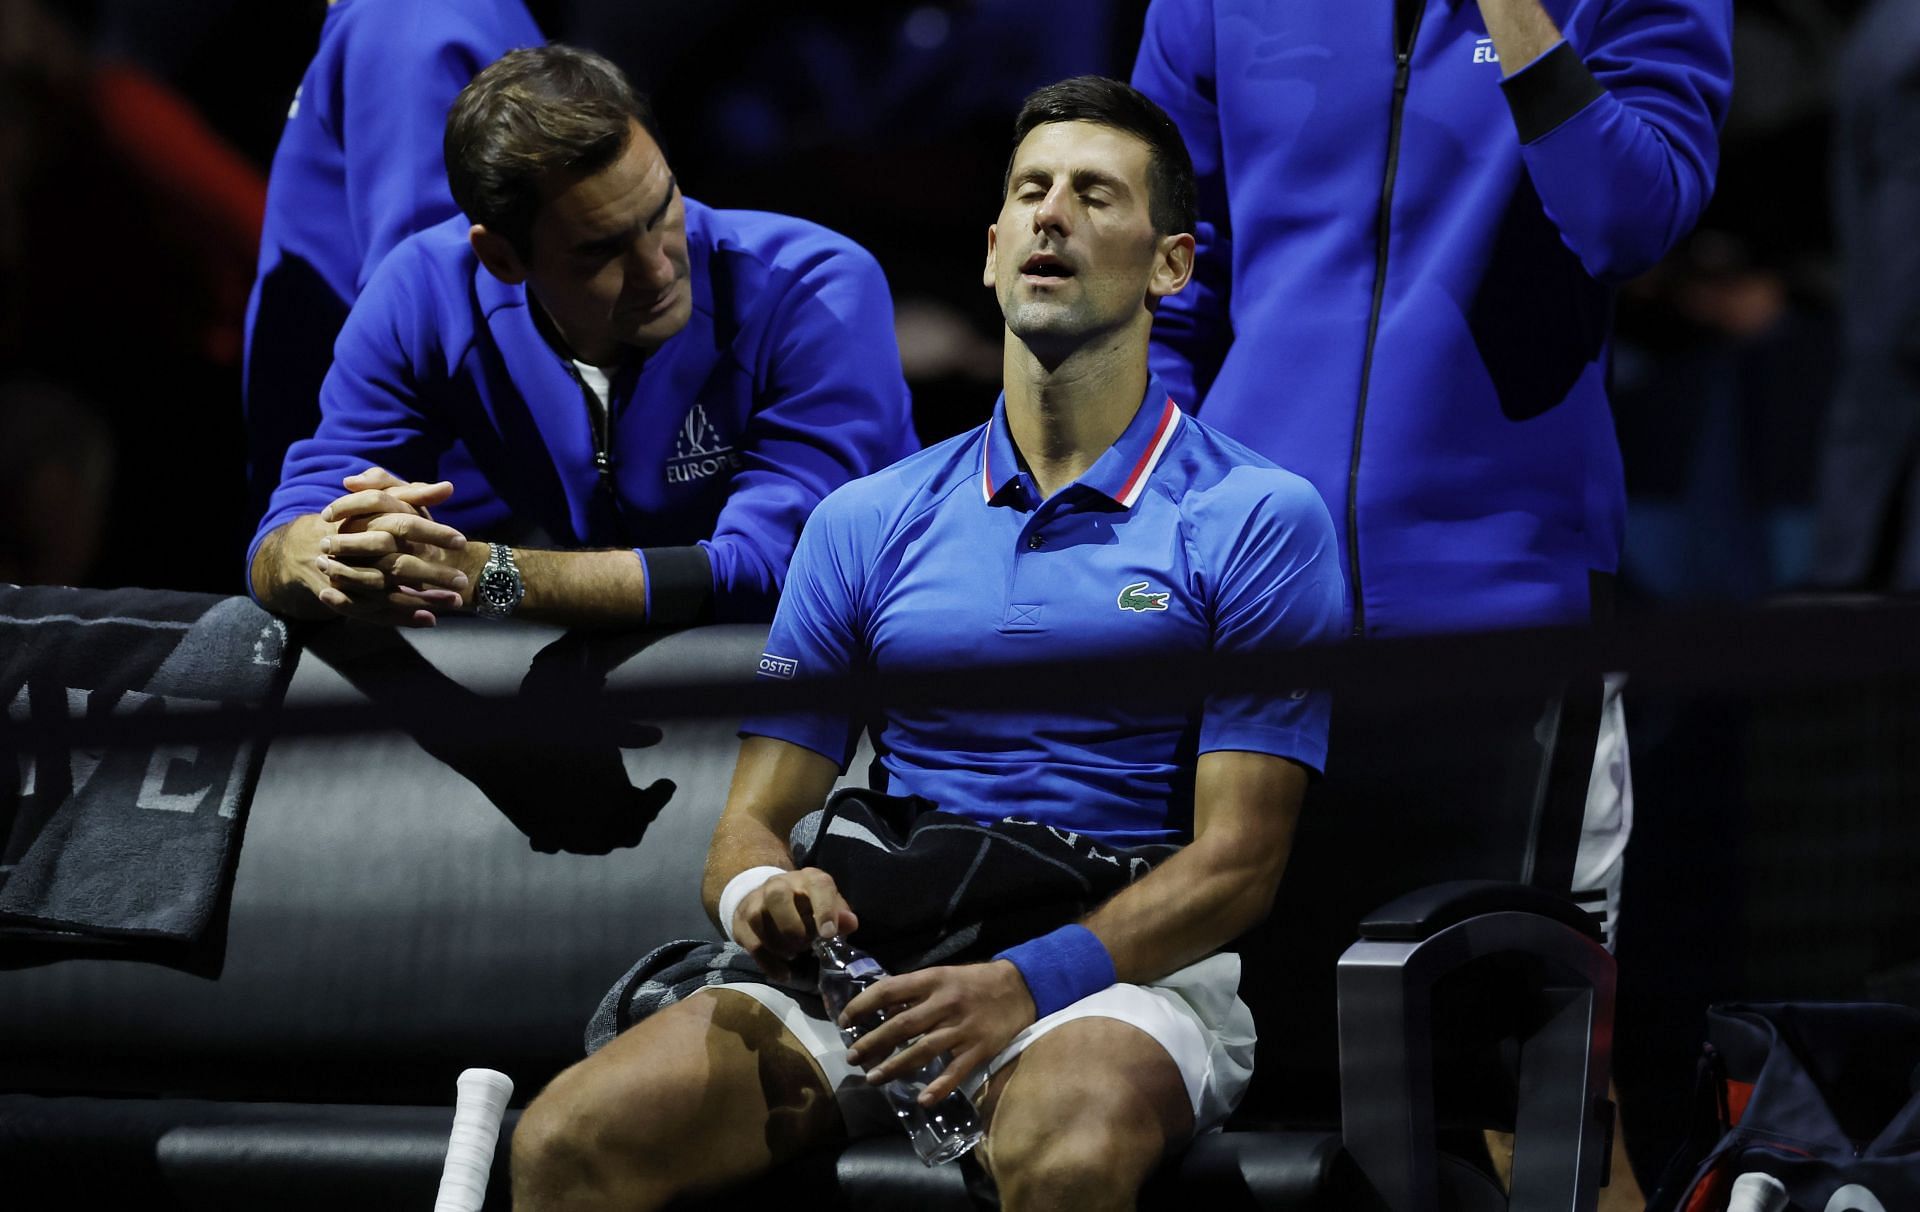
<point>392,923</point>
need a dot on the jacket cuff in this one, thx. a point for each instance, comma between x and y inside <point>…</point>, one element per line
<point>679,585</point>
<point>1548,91</point>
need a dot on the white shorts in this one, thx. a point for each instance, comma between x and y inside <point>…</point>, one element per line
<point>1195,1014</point>
<point>1601,859</point>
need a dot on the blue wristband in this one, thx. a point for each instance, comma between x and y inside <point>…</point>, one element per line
<point>1062,967</point>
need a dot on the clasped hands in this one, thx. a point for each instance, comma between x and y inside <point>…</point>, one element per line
<point>969,1011</point>
<point>377,554</point>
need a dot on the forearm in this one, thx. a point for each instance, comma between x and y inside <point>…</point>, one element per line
<point>739,845</point>
<point>1246,805</point>
<point>1521,30</point>
<point>1189,906</point>
<point>774,785</point>
<point>574,588</point>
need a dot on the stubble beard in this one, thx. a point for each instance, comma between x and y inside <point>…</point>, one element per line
<point>1045,325</point>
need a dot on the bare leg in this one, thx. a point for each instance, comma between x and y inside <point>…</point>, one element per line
<point>1082,1117</point>
<point>1622,1192</point>
<point>706,1093</point>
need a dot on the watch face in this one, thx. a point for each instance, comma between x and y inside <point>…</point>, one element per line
<point>499,590</point>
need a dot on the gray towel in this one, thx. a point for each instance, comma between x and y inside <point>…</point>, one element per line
<point>677,971</point>
<point>136,842</point>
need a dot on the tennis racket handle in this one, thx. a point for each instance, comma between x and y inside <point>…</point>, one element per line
<point>480,1102</point>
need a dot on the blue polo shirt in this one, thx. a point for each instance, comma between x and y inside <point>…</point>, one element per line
<point>1177,539</point>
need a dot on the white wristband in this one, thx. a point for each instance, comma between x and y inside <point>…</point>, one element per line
<point>736,891</point>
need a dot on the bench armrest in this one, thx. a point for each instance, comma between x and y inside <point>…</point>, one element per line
<point>1427,911</point>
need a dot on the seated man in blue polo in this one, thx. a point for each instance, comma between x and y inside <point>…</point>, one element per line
<point>1089,519</point>
<point>660,391</point>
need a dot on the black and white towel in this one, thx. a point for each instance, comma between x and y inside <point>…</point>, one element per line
<point>930,888</point>
<point>137,841</point>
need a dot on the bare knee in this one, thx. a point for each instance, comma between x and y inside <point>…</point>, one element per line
<point>581,1145</point>
<point>1072,1144</point>
<point>1083,1117</point>
<point>704,1094</point>
<point>1087,1165</point>
<point>544,1148</point>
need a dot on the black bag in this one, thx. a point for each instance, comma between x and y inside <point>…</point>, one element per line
<point>936,888</point>
<point>930,887</point>
<point>1823,1097</point>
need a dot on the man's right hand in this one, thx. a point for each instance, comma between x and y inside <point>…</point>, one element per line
<point>779,920</point>
<point>374,554</point>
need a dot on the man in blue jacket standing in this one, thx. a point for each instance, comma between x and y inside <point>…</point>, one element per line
<point>661,390</point>
<point>1411,213</point>
<point>1412,216</point>
<point>358,170</point>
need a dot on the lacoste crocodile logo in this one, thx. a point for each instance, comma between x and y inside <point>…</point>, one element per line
<point>1136,598</point>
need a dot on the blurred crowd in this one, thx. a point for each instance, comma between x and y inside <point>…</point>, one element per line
<point>1767,418</point>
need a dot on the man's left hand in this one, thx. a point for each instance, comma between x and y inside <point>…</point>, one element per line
<point>385,553</point>
<point>971,1012</point>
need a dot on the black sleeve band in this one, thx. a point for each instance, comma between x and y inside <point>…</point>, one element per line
<point>1551,89</point>
<point>679,585</point>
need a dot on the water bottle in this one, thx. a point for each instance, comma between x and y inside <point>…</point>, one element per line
<point>939,1133</point>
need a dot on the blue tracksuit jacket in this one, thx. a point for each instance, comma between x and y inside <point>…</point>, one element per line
<point>358,169</point>
<point>1402,290</point>
<point>785,384</point>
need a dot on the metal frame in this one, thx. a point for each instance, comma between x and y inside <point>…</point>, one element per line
<point>1387,1093</point>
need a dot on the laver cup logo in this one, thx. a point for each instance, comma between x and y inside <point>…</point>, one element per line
<point>778,666</point>
<point>698,450</point>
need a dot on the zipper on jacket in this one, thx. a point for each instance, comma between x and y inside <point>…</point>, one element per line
<point>1402,74</point>
<point>600,424</point>
<point>600,416</point>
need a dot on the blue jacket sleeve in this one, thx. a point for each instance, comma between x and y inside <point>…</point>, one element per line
<point>1620,134</point>
<point>371,403</point>
<point>404,64</point>
<point>833,406</point>
<point>1175,67</point>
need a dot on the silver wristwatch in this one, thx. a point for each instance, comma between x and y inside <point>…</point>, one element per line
<point>500,588</point>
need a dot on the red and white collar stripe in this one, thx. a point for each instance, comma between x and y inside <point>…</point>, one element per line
<point>1136,480</point>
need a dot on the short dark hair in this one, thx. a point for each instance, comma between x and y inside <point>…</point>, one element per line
<point>531,113</point>
<point>1170,187</point>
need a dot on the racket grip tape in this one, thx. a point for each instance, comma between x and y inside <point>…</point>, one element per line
<point>480,1102</point>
